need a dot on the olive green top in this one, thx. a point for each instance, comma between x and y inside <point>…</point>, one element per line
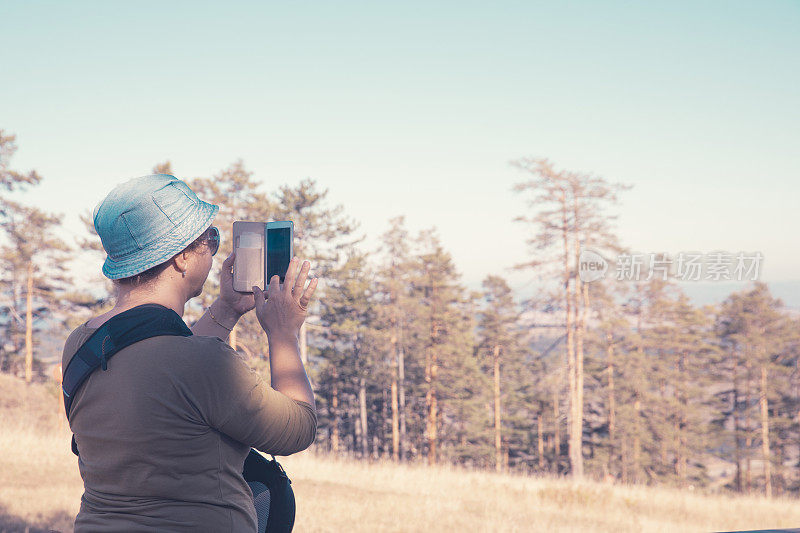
<point>164,431</point>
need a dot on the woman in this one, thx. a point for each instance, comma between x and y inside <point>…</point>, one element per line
<point>164,431</point>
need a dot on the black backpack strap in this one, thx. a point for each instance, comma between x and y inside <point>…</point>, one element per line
<point>118,332</point>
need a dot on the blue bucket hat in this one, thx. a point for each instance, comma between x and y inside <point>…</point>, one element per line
<point>145,221</point>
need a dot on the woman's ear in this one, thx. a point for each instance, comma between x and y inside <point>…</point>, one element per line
<point>182,262</point>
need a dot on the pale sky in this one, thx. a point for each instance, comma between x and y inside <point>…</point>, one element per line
<point>416,108</point>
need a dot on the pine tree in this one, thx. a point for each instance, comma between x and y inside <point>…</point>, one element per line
<point>500,349</point>
<point>348,371</point>
<point>12,180</point>
<point>37,256</point>
<point>466,399</point>
<point>604,344</point>
<point>321,232</point>
<point>397,308</point>
<point>163,168</point>
<point>760,345</point>
<point>569,217</point>
<point>444,335</point>
<point>90,244</point>
<point>239,197</point>
<point>680,344</point>
<point>34,264</point>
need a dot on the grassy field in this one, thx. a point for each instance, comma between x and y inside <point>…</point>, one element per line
<point>40,490</point>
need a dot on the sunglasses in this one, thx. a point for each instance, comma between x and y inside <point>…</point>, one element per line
<point>211,238</point>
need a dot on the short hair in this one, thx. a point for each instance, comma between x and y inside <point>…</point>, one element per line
<point>153,272</point>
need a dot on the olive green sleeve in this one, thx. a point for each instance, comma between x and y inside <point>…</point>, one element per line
<point>238,402</point>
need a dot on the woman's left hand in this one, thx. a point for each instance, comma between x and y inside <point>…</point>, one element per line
<point>237,303</point>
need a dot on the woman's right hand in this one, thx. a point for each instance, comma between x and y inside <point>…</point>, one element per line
<point>283,310</point>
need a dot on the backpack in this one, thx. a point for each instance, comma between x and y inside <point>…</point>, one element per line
<point>273,497</point>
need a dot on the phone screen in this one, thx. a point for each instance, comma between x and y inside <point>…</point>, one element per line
<point>278,250</point>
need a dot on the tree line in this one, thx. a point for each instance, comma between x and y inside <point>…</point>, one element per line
<point>623,381</point>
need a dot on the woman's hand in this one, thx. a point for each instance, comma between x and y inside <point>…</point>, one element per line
<point>284,309</point>
<point>235,303</point>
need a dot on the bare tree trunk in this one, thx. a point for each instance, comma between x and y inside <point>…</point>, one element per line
<point>15,325</point>
<point>780,480</point>
<point>624,460</point>
<point>29,327</point>
<point>540,438</point>
<point>395,406</point>
<point>637,441</point>
<point>431,371</point>
<point>556,431</point>
<point>355,449</point>
<point>430,400</point>
<point>433,414</point>
<point>362,402</point>
<point>736,425</point>
<point>380,450</point>
<point>665,415</point>
<point>335,412</point>
<point>748,435</point>
<point>498,440</point>
<point>793,442</point>
<point>568,297</point>
<point>395,420</point>
<point>401,392</point>
<point>577,420</point>
<point>612,406</point>
<point>684,423</point>
<point>637,410</point>
<point>765,433</point>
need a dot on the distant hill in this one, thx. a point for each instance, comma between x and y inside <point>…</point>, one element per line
<point>701,292</point>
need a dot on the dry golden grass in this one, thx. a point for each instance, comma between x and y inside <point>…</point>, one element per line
<point>40,489</point>
<point>342,495</point>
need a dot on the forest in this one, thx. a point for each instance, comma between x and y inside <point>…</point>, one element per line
<point>622,380</point>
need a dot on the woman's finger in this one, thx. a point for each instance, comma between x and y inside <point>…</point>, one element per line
<point>308,293</point>
<point>227,265</point>
<point>274,288</point>
<point>291,273</point>
<point>258,295</point>
<point>301,279</point>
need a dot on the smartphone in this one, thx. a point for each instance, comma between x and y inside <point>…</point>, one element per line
<point>262,251</point>
<point>248,243</point>
<point>280,236</point>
